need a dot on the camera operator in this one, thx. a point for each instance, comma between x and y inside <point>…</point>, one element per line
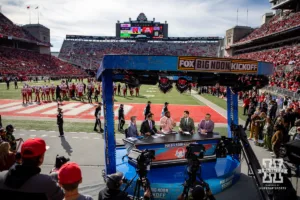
<point>112,190</point>
<point>198,193</point>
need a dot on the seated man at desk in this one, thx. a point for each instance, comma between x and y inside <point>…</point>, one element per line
<point>148,126</point>
<point>132,129</point>
<point>186,123</point>
<point>206,125</point>
<point>167,123</point>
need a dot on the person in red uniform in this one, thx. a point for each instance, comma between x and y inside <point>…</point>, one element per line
<point>52,90</point>
<point>29,94</point>
<point>137,91</point>
<point>37,94</point>
<point>43,92</point>
<point>246,105</point>
<point>131,91</point>
<point>47,90</point>
<point>24,94</point>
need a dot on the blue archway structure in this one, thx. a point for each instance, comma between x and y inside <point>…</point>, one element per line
<point>117,67</point>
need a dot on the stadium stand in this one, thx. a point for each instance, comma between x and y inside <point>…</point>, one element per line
<point>276,41</point>
<point>89,54</point>
<point>277,24</point>
<point>8,28</point>
<point>16,62</point>
<point>19,55</point>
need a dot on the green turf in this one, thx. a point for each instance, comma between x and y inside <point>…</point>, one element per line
<point>223,104</point>
<point>70,126</point>
<point>147,93</point>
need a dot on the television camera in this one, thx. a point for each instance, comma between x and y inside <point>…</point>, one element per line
<point>194,152</point>
<point>143,160</point>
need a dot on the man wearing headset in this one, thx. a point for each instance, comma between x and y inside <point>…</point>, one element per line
<point>112,190</point>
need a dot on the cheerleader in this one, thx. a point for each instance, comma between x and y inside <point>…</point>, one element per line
<point>131,91</point>
<point>37,94</point>
<point>52,90</point>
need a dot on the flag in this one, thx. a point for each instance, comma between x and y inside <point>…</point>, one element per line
<point>28,7</point>
<point>37,7</point>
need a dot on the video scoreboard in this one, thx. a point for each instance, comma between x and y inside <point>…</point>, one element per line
<point>141,28</point>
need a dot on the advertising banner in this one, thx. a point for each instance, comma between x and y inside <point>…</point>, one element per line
<point>217,65</point>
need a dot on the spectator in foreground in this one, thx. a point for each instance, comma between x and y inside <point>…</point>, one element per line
<point>69,177</point>
<point>7,158</point>
<point>25,179</point>
<point>112,190</point>
<point>277,139</point>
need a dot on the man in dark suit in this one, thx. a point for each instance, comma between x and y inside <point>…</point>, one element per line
<point>132,129</point>
<point>148,126</point>
<point>97,116</point>
<point>206,125</point>
<point>147,109</point>
<point>186,123</point>
<point>121,118</point>
<point>60,122</point>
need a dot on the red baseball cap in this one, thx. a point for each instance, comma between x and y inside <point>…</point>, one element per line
<point>33,147</point>
<point>69,173</point>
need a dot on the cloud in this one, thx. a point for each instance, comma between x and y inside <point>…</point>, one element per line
<point>98,17</point>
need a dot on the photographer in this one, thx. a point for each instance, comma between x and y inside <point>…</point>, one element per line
<point>112,190</point>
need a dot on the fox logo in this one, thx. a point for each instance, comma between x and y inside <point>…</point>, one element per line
<point>186,64</point>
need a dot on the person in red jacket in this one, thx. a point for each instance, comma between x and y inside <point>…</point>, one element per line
<point>246,105</point>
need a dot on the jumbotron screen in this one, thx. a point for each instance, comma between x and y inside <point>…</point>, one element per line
<point>151,31</point>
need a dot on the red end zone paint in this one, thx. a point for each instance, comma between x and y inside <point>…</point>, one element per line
<point>77,110</point>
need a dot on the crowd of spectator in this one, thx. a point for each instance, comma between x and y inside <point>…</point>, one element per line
<point>16,62</point>
<point>10,29</point>
<point>284,77</point>
<point>89,54</point>
<point>277,24</point>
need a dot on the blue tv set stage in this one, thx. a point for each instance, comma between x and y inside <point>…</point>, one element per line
<point>166,181</point>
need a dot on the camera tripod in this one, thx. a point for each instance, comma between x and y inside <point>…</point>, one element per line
<point>143,182</point>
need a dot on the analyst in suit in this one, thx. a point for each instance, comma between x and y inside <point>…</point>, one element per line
<point>186,123</point>
<point>148,126</point>
<point>132,129</point>
<point>206,125</point>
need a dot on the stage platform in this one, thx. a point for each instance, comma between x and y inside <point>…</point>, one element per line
<point>166,181</point>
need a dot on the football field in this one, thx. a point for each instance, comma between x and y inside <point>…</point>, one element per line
<point>79,117</point>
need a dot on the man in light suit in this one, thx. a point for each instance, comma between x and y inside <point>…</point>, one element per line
<point>206,125</point>
<point>148,126</point>
<point>186,123</point>
<point>132,129</point>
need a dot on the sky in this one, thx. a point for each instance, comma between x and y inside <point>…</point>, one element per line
<point>186,18</point>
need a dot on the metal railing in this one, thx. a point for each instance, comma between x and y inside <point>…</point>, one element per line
<point>282,92</point>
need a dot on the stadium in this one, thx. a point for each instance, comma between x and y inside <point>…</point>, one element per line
<point>177,116</point>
